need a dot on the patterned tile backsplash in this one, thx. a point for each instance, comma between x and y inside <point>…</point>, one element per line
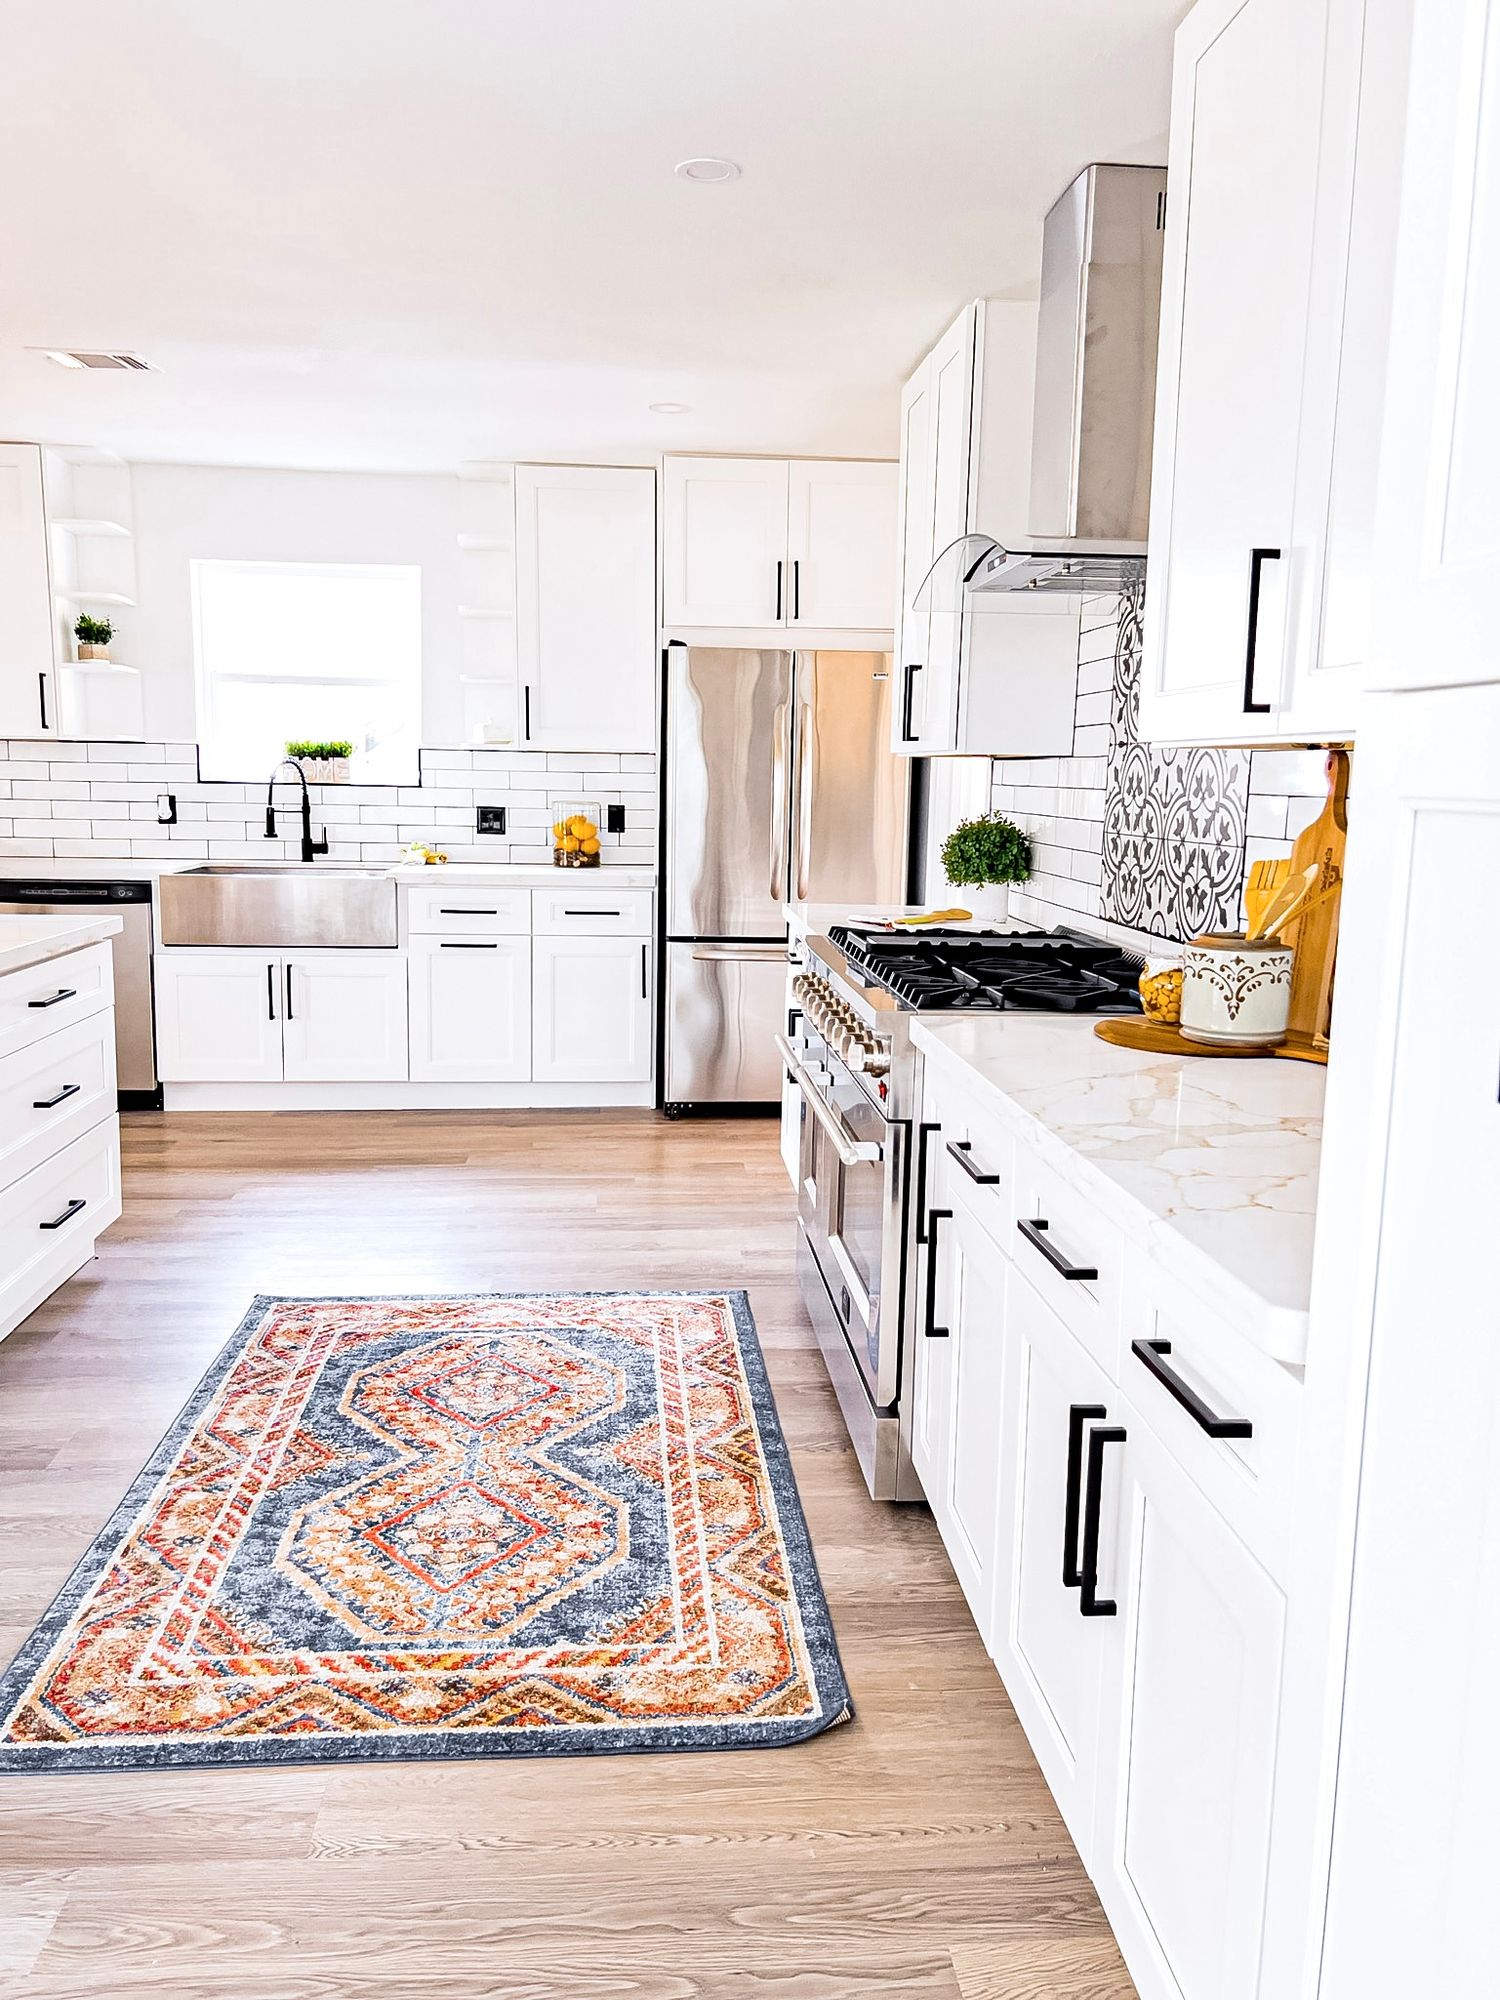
<point>1144,843</point>
<point>84,801</point>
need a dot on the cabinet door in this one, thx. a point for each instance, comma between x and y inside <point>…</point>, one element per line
<point>724,541</point>
<point>218,1016</point>
<point>586,606</point>
<point>591,1010</point>
<point>1188,1733</point>
<point>1049,1654</point>
<point>344,1017</point>
<point>915,542</point>
<point>966,1494</point>
<point>1439,522</point>
<point>470,1009</point>
<point>841,540</point>
<point>28,702</point>
<point>934,705</point>
<point>1246,109</point>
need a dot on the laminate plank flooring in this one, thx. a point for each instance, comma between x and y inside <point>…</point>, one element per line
<point>913,1855</point>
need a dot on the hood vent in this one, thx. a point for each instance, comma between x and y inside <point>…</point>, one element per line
<point>1094,403</point>
<point>93,357</point>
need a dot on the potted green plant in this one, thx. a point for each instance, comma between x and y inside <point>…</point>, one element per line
<point>323,763</point>
<point>93,636</point>
<point>986,855</point>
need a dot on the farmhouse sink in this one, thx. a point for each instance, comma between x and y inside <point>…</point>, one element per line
<point>279,905</point>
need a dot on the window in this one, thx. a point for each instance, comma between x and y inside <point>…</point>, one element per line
<point>321,651</point>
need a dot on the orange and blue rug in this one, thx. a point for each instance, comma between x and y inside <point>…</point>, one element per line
<point>447,1527</point>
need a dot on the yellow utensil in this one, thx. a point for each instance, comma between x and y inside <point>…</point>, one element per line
<point>1261,884</point>
<point>937,917</point>
<point>1292,893</point>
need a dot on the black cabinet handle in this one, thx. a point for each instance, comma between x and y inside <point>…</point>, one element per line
<point>1090,1603</point>
<point>526,713</point>
<point>270,993</point>
<point>467,944</point>
<point>1252,632</point>
<point>67,1215</point>
<point>1033,1231</point>
<point>645,973</point>
<point>796,587</point>
<point>778,589</point>
<point>913,668</point>
<point>593,913</point>
<point>46,1103</point>
<point>52,999</point>
<point>289,990</point>
<point>924,1133</point>
<point>444,911</point>
<point>1149,1353</point>
<point>41,695</point>
<point>934,1217</point>
<point>1079,1414</point>
<point>963,1151</point>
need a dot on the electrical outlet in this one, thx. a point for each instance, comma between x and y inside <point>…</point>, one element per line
<point>614,819</point>
<point>166,809</point>
<point>489,819</point>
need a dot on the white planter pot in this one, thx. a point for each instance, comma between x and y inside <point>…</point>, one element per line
<point>987,900</point>
<point>325,770</point>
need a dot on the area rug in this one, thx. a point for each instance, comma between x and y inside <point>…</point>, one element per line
<point>447,1527</point>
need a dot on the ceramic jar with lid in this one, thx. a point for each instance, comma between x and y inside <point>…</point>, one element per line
<point>1236,991</point>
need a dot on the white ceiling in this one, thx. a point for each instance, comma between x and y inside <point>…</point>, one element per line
<point>402,233</point>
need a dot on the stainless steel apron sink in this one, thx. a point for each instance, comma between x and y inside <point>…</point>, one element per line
<point>279,904</point>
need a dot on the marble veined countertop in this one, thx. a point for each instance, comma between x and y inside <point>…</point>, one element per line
<point>1212,1163</point>
<point>33,940</point>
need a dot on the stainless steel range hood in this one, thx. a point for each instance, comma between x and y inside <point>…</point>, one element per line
<point>1094,403</point>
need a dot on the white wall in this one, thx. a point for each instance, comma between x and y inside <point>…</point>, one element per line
<point>187,512</point>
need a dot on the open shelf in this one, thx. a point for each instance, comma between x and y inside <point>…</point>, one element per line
<point>85,525</point>
<point>110,597</point>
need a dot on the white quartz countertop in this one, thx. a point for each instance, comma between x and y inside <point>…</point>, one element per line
<point>33,940</point>
<point>1210,1161</point>
<point>503,874</point>
<point>814,919</point>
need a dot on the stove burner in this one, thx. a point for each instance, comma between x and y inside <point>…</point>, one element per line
<point>1055,971</point>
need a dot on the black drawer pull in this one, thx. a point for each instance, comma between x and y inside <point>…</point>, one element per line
<point>1252,629</point>
<point>934,1217</point>
<point>593,913</point>
<point>62,993</point>
<point>468,944</point>
<point>445,912</point>
<point>1149,1353</point>
<point>67,1215</point>
<point>1090,1603</point>
<point>1035,1235</point>
<point>46,1103</point>
<point>962,1151</point>
<point>1079,1414</point>
<point>924,1133</point>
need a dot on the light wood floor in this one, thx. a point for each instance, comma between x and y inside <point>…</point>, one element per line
<point>914,1853</point>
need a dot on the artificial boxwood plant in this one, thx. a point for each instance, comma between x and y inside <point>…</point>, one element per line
<point>92,631</point>
<point>989,849</point>
<point>310,749</point>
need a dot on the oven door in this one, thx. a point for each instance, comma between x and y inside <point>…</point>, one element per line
<point>850,1206</point>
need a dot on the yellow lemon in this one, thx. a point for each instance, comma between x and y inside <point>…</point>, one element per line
<point>589,846</point>
<point>559,828</point>
<point>570,845</point>
<point>579,825</point>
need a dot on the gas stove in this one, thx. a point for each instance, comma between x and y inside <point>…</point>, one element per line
<point>1056,971</point>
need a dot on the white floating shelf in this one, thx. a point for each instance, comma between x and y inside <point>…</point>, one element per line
<point>490,544</point>
<point>95,597</point>
<point>98,667</point>
<point>82,525</point>
<point>485,611</point>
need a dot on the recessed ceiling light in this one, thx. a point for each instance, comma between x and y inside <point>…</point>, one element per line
<point>670,409</point>
<point>706,169</point>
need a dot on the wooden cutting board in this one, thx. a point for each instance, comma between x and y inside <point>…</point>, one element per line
<point>1314,938</point>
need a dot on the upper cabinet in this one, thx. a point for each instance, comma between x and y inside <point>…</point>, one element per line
<point>586,607</point>
<point>767,542</point>
<point>28,698</point>
<point>1287,123</point>
<point>999,681</point>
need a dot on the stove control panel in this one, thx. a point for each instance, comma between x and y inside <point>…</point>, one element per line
<point>836,1021</point>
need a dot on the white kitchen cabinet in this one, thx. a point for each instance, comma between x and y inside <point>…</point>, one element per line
<point>218,1016</point>
<point>28,703</point>
<point>343,1017</point>
<point>1187,1730</point>
<point>790,1130</point>
<point>470,1009</point>
<point>586,607</point>
<point>1000,681</point>
<point>769,542</point>
<point>1287,119</point>
<point>591,1015</point>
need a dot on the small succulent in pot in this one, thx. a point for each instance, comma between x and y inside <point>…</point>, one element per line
<point>323,763</point>
<point>987,854</point>
<point>93,636</point>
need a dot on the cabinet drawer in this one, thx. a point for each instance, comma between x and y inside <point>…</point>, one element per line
<point>45,998</point>
<point>50,1216</point>
<point>1071,1253</point>
<point>593,912</point>
<point>1176,1353</point>
<point>53,1091</point>
<point>457,908</point>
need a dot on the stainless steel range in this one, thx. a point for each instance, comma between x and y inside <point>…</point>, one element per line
<point>848,1049</point>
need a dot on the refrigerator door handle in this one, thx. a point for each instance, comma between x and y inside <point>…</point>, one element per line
<point>736,954</point>
<point>781,827</point>
<point>806,777</point>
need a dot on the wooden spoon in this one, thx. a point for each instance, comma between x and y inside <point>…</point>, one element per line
<point>1283,905</point>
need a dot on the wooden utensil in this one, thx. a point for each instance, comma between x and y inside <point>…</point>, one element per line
<point>1313,932</point>
<point>1261,884</point>
<point>1296,889</point>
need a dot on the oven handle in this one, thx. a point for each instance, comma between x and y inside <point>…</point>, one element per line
<point>851,1152</point>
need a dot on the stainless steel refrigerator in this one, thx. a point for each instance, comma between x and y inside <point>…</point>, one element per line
<point>779,787</point>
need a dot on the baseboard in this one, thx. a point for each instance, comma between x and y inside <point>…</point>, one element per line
<point>406,1096</point>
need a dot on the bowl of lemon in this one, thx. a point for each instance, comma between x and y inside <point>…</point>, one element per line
<point>575,835</point>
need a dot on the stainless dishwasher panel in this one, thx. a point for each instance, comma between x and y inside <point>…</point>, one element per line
<point>135,1029</point>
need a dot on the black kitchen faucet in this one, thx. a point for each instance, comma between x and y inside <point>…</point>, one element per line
<point>310,847</point>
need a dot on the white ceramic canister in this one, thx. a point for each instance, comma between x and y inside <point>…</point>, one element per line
<point>1235,991</point>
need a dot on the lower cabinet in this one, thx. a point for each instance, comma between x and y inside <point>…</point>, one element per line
<point>244,1017</point>
<point>470,1002</point>
<point>592,1018</point>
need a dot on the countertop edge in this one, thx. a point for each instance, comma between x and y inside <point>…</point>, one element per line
<point>71,934</point>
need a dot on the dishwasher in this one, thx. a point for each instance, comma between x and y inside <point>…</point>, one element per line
<point>135,1031</point>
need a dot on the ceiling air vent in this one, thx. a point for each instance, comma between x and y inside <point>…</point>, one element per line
<point>90,357</point>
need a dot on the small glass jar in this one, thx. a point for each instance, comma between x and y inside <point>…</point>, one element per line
<point>1161,991</point>
<point>575,833</point>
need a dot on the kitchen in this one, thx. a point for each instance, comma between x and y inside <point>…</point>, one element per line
<point>1055,1456</point>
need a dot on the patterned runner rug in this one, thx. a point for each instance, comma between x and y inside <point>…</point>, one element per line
<point>447,1527</point>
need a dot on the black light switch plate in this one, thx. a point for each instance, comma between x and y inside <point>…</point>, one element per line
<point>166,809</point>
<point>614,819</point>
<point>489,819</point>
